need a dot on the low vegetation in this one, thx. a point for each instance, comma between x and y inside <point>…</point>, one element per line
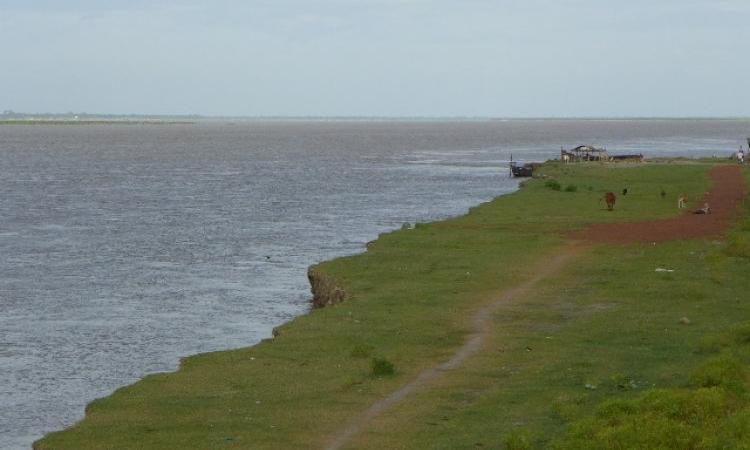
<point>711,412</point>
<point>610,351</point>
<point>382,367</point>
<point>552,184</point>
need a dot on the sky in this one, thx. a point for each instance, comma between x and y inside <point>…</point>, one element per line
<point>410,58</point>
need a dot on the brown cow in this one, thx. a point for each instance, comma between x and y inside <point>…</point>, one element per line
<point>611,199</point>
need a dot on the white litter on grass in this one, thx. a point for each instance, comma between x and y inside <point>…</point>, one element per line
<point>660,269</point>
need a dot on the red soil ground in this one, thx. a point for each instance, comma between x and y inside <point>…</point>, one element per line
<point>727,191</point>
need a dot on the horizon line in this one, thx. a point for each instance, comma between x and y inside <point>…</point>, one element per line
<point>79,115</point>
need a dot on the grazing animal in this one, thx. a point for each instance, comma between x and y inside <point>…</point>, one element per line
<point>705,210</point>
<point>610,198</point>
<point>681,201</point>
<point>566,159</point>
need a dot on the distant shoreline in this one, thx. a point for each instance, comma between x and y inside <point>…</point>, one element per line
<point>107,119</point>
<point>92,122</point>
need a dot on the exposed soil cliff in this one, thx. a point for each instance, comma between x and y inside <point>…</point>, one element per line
<point>324,289</point>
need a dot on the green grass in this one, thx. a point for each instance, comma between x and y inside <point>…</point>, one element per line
<point>608,328</point>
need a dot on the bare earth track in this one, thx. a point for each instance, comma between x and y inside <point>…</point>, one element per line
<point>727,191</point>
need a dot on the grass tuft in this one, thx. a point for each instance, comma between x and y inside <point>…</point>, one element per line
<point>552,184</point>
<point>381,367</point>
<point>518,440</point>
<point>721,371</point>
<point>738,246</point>
<point>361,351</point>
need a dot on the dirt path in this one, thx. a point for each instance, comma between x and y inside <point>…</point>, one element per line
<point>727,190</point>
<point>480,327</point>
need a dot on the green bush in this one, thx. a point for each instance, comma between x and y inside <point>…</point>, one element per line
<point>382,367</point>
<point>571,188</point>
<point>552,184</point>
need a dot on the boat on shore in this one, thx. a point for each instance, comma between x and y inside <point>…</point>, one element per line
<point>523,170</point>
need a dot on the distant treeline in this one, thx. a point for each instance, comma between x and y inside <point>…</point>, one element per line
<point>9,116</point>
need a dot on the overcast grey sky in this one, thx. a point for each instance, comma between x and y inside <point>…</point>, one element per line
<point>377,57</point>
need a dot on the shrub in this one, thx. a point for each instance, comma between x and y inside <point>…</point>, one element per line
<point>571,188</point>
<point>552,184</point>
<point>381,367</point>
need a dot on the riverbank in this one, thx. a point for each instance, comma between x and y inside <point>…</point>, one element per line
<point>549,357</point>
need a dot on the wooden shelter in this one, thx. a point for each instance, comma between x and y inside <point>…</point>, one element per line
<point>584,153</point>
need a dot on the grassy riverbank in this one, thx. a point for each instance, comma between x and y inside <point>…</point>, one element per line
<point>607,327</point>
